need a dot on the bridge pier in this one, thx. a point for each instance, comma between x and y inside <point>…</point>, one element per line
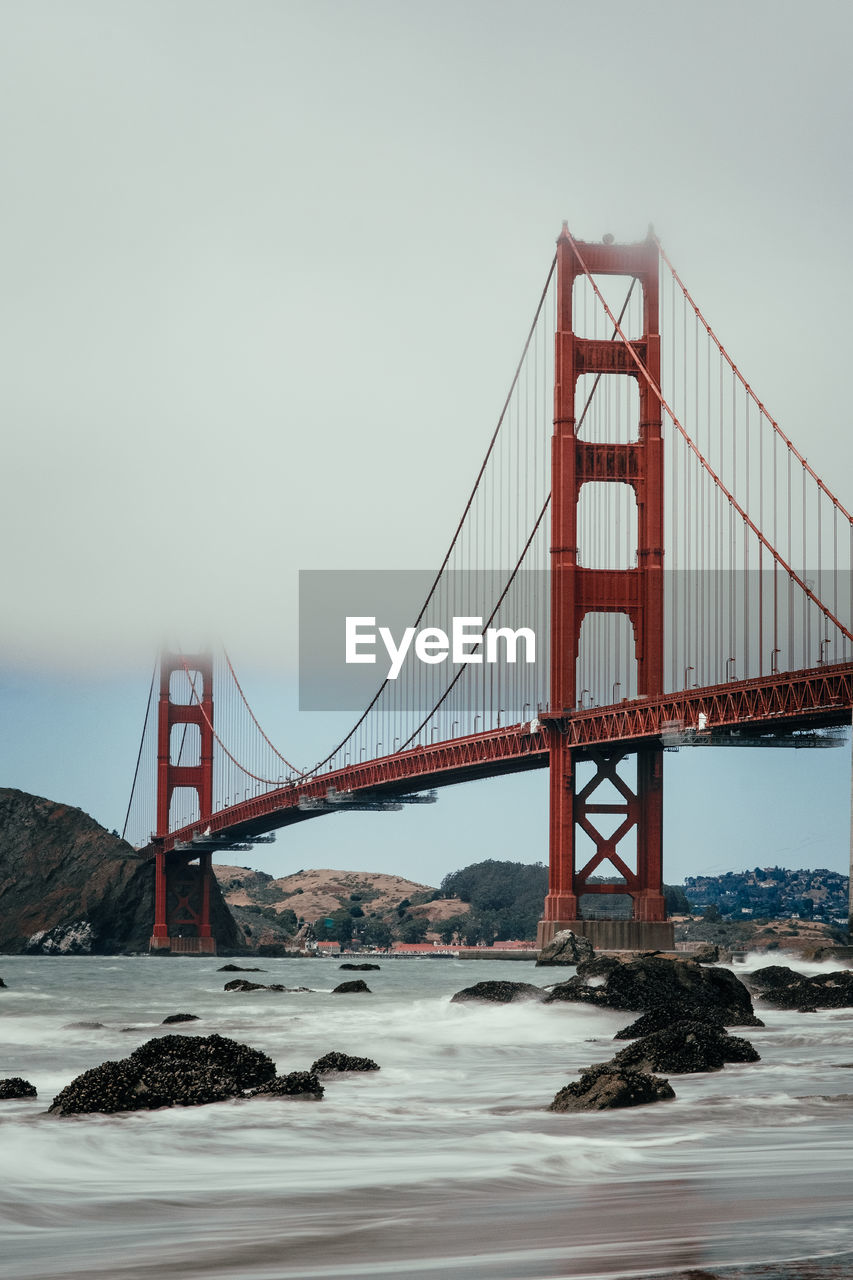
<point>640,811</point>
<point>613,935</point>
<point>182,904</point>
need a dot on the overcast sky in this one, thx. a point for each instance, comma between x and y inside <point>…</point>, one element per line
<point>266,269</point>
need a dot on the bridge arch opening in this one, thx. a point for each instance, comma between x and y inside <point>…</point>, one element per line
<point>181,684</point>
<point>606,665</point>
<point>609,906</point>
<point>607,408</point>
<point>590,320</point>
<point>183,807</point>
<point>608,525</point>
<point>185,745</point>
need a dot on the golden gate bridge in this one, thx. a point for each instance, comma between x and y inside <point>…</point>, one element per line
<point>688,574</point>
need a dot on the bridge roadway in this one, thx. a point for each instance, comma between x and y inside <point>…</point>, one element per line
<point>814,698</point>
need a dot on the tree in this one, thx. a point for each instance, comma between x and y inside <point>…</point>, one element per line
<point>376,933</point>
<point>287,919</point>
<point>480,927</point>
<point>711,913</point>
<point>335,928</point>
<point>505,897</point>
<point>675,900</point>
<point>414,929</point>
<point>449,928</point>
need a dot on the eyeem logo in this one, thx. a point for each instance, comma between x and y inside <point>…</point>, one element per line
<point>433,645</point>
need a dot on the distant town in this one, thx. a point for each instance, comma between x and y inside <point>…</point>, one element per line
<point>771,893</point>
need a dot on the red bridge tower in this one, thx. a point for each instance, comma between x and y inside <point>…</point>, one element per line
<point>182,877</point>
<point>578,590</point>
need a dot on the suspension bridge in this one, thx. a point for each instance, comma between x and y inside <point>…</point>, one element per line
<point>687,574</point>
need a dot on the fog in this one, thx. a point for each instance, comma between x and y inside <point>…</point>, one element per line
<point>267,270</point>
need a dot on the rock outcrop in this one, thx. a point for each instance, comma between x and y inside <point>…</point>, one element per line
<point>684,1048</point>
<point>344,988</point>
<point>658,984</point>
<point>566,947</point>
<point>608,1086</point>
<point>171,1071</point>
<point>335,1061</point>
<point>16,1087</point>
<point>63,876</point>
<point>75,939</point>
<point>787,989</point>
<point>358,966</point>
<point>665,1015</point>
<point>180,1017</point>
<point>243,984</point>
<point>296,1084</point>
<point>498,992</point>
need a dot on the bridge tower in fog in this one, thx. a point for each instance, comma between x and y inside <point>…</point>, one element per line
<point>183,880</point>
<point>576,591</point>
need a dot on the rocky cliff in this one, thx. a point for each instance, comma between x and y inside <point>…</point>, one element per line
<point>59,867</point>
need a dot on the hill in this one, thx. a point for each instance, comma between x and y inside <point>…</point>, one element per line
<point>373,906</point>
<point>59,867</point>
<point>479,903</point>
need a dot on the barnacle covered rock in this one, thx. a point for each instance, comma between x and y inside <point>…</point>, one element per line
<point>170,1071</point>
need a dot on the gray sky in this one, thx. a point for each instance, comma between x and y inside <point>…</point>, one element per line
<point>267,268</point>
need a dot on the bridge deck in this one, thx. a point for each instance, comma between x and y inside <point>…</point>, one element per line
<point>813,698</point>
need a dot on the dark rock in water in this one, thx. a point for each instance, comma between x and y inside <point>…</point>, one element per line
<point>83,1026</point>
<point>297,1084</point>
<point>15,1087</point>
<point>77,938</point>
<point>358,966</point>
<point>790,990</point>
<point>605,1087</point>
<point>2,984</point>
<point>239,968</point>
<point>655,983</point>
<point>243,984</point>
<point>663,1017</point>
<point>357,984</point>
<point>686,1047</point>
<point>59,867</point>
<point>773,975</point>
<point>336,1061</point>
<point>498,992</point>
<point>566,947</point>
<point>170,1071</point>
<point>180,1017</point>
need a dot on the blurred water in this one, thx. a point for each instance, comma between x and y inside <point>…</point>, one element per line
<point>444,1163</point>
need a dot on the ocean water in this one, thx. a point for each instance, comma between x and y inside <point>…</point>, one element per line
<point>445,1163</point>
